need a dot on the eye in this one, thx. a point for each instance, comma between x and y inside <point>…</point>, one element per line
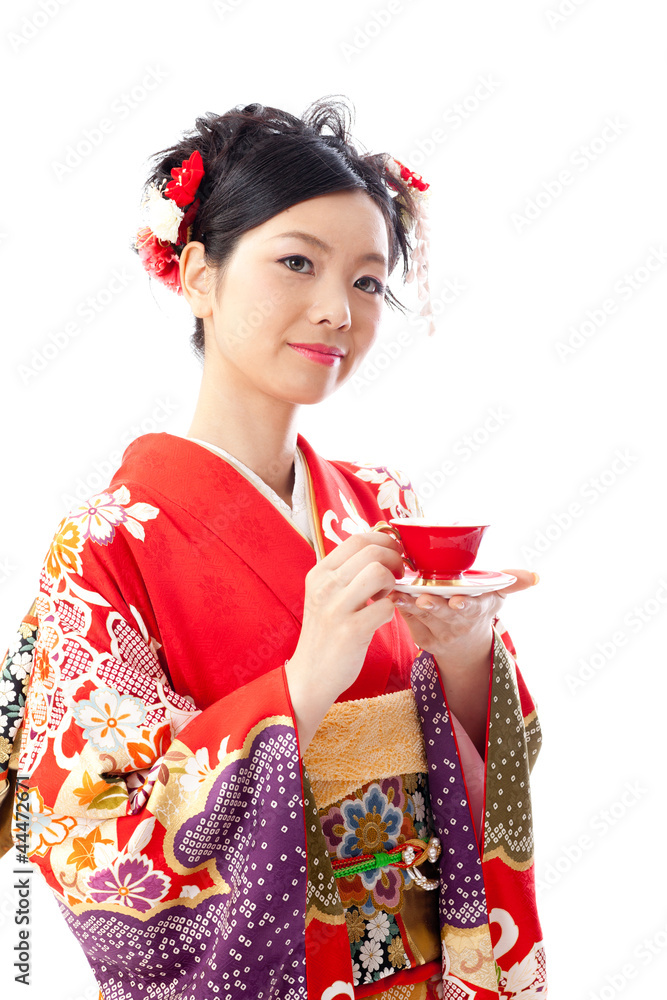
<point>298,257</point>
<point>379,287</point>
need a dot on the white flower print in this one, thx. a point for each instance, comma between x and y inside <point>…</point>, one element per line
<point>20,665</point>
<point>109,718</point>
<point>356,970</point>
<point>370,954</point>
<point>15,644</point>
<point>420,808</point>
<point>378,926</point>
<point>392,482</point>
<point>197,770</point>
<point>7,692</point>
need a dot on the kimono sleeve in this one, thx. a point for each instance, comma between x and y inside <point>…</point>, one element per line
<point>173,838</point>
<point>489,879</point>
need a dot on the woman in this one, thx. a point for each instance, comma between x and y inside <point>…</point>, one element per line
<point>250,774</point>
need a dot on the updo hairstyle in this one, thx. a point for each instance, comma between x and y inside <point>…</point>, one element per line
<point>259,160</point>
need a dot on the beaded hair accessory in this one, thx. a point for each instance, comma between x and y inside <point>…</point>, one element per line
<point>170,208</point>
<point>420,255</point>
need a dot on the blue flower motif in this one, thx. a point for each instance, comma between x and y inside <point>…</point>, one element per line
<point>372,824</point>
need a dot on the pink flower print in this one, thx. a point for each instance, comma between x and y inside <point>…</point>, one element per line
<point>333,829</point>
<point>129,882</point>
<point>98,518</point>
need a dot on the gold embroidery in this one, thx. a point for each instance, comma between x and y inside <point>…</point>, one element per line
<point>347,750</point>
<point>471,955</point>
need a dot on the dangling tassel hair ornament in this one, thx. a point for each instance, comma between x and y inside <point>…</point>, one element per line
<point>422,228</point>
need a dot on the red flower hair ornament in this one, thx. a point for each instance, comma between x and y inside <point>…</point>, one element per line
<point>169,211</point>
<point>167,224</point>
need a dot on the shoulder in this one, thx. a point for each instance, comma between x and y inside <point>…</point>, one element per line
<point>391,487</point>
<point>101,527</point>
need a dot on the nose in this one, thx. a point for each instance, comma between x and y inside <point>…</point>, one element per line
<point>331,306</point>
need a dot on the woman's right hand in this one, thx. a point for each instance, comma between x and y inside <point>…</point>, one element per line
<point>339,623</point>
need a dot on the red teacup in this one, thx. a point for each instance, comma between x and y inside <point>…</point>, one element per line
<point>439,553</point>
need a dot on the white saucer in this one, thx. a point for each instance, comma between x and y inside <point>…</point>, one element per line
<point>474,582</point>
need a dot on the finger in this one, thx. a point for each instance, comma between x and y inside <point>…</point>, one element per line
<point>437,602</point>
<point>525,578</point>
<point>431,606</point>
<point>373,580</point>
<point>357,543</point>
<point>354,564</point>
<point>472,608</point>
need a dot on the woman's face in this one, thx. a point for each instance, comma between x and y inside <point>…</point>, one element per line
<point>312,275</point>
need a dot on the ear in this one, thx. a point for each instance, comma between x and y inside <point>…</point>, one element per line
<point>196,279</point>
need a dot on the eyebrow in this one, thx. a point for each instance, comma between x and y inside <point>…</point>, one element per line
<point>377,258</point>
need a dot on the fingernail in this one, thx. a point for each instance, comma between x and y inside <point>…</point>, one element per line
<point>397,599</point>
<point>461,606</point>
<point>536,578</point>
<point>427,605</point>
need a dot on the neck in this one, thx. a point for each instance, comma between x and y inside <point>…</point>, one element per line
<point>257,429</point>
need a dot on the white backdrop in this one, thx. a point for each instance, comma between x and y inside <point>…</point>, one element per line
<point>540,127</point>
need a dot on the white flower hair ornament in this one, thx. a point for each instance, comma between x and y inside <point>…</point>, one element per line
<point>422,227</point>
<point>168,213</point>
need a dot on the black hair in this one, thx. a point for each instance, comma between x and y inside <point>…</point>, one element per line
<point>259,161</point>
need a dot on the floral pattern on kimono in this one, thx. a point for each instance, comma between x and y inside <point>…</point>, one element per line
<point>178,834</point>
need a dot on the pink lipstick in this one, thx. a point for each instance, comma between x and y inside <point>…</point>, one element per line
<point>319,352</point>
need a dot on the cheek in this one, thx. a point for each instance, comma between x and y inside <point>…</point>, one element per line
<point>364,342</point>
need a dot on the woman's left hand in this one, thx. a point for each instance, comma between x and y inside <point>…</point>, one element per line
<point>436,628</point>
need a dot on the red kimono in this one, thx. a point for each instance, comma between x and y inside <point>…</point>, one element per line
<point>191,849</point>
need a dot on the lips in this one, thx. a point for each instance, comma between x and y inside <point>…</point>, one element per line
<point>321,349</point>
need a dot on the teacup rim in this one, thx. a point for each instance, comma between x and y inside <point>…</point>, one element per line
<point>428,522</point>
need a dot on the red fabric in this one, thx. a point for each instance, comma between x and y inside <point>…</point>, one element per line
<point>187,583</point>
<point>201,496</point>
